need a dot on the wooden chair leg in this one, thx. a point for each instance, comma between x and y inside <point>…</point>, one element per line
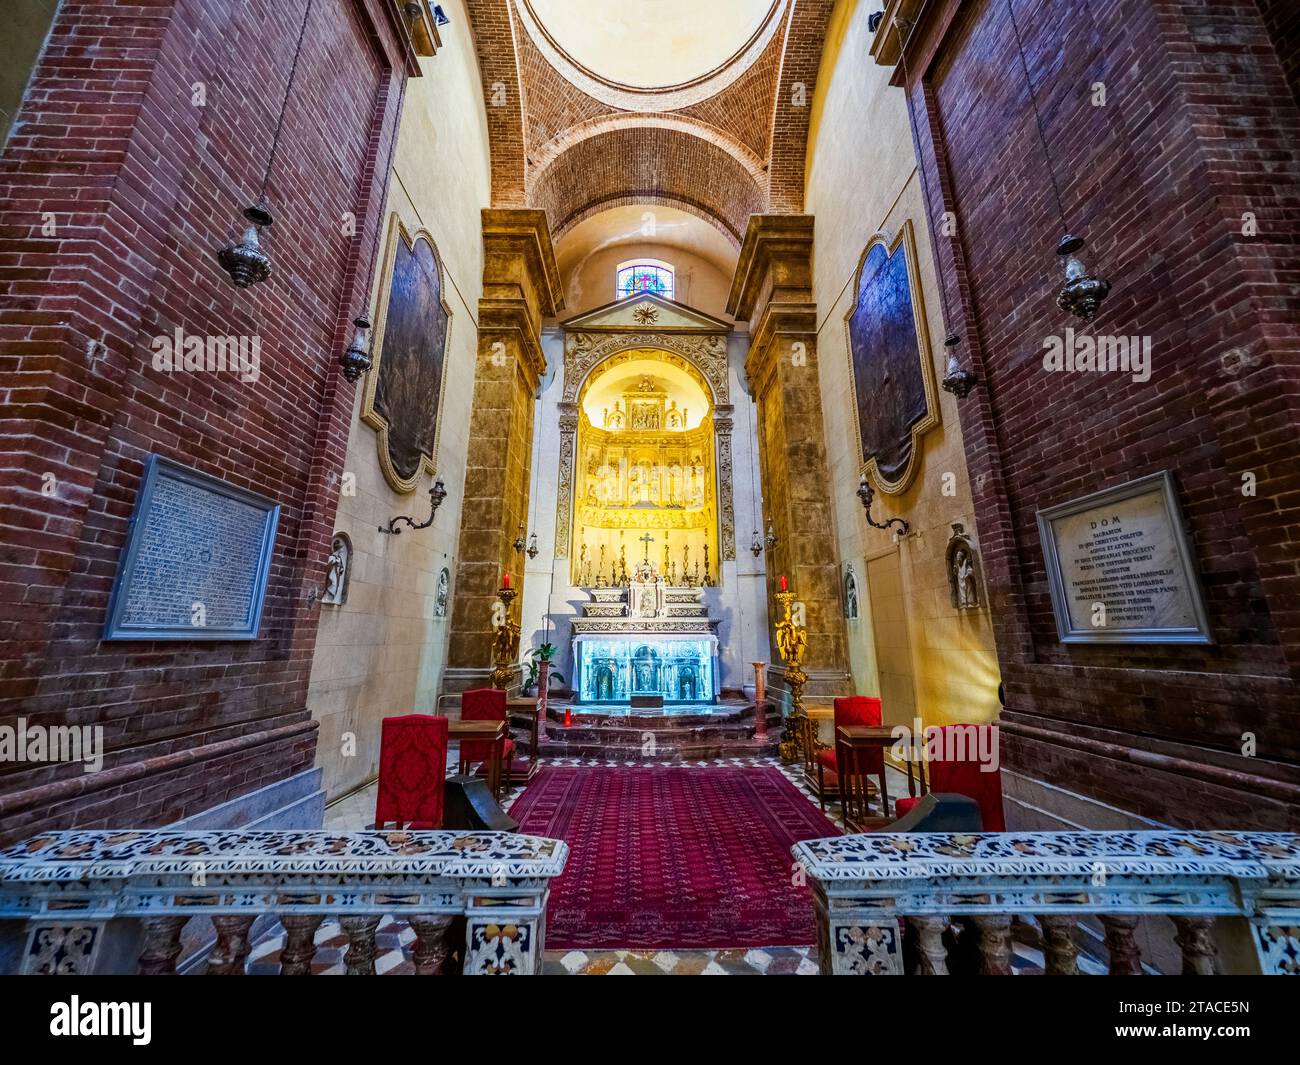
<point>821,786</point>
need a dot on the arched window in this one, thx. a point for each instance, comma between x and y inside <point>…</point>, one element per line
<point>644,276</point>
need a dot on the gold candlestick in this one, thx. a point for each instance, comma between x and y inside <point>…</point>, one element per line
<point>792,643</point>
<point>505,642</point>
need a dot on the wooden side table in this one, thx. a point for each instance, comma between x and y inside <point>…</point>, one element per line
<point>491,731</point>
<point>851,744</point>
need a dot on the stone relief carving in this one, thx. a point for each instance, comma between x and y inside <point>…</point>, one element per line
<point>564,486</point>
<point>707,353</point>
<point>726,507</point>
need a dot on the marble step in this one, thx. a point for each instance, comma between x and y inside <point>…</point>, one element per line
<point>728,729</point>
<point>660,720</point>
<point>689,751</point>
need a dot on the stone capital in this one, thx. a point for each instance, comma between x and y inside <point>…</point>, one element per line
<point>521,286</point>
<point>775,266</point>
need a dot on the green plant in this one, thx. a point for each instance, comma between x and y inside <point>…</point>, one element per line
<point>543,652</point>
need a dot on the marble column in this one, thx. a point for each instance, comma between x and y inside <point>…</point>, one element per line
<point>521,287</point>
<point>772,291</point>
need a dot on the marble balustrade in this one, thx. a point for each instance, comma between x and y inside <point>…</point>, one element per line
<point>1233,898</point>
<point>72,890</point>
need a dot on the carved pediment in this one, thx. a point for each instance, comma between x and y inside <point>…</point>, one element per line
<point>649,312</point>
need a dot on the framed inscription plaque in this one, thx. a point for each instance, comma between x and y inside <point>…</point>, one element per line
<point>1120,567</point>
<point>196,560</point>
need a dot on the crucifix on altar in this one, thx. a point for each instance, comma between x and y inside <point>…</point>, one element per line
<point>647,539</point>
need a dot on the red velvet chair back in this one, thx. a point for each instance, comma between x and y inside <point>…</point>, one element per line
<point>964,774</point>
<point>481,704</point>
<point>412,769</point>
<point>862,710</point>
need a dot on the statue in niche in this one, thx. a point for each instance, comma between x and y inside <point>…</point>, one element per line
<point>963,570</point>
<point>646,597</point>
<point>605,683</point>
<point>851,594</point>
<point>338,568</point>
<point>444,592</point>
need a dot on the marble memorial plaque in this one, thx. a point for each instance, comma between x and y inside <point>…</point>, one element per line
<point>196,559</point>
<point>1120,567</point>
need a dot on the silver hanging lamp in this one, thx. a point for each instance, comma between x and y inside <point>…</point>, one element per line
<point>246,261</point>
<point>1082,294</point>
<point>956,379</point>
<point>356,359</point>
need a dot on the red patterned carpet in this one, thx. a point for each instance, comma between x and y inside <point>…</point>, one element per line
<point>664,857</point>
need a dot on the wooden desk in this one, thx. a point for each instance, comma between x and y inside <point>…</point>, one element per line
<point>492,731</point>
<point>851,743</point>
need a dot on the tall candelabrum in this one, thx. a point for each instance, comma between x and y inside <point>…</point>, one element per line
<point>505,639</point>
<point>792,643</point>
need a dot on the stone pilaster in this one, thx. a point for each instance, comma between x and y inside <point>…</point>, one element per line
<point>772,290</point>
<point>521,286</point>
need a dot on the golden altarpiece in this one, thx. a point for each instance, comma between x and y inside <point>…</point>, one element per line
<point>644,512</point>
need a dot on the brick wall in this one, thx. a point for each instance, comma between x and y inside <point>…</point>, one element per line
<point>142,188</point>
<point>1198,129</point>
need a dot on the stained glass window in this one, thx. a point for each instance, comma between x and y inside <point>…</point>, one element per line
<point>638,279</point>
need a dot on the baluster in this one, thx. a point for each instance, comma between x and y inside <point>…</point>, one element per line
<point>995,944</point>
<point>1060,953</point>
<point>299,943</point>
<point>1195,939</point>
<point>932,955</point>
<point>162,945</point>
<point>431,945</point>
<point>360,956</point>
<point>1125,957</point>
<point>227,957</point>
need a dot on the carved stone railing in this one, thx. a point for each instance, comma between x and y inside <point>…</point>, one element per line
<point>74,888</point>
<point>1233,897</point>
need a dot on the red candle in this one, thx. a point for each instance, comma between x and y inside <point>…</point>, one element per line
<point>783,582</point>
<point>505,581</point>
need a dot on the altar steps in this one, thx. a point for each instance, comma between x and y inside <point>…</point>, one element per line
<point>718,732</point>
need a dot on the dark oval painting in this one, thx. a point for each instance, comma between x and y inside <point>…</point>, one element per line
<point>410,365</point>
<point>887,377</point>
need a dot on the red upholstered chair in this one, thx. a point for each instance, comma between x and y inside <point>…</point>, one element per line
<point>963,775</point>
<point>485,704</point>
<point>849,710</point>
<point>412,769</point>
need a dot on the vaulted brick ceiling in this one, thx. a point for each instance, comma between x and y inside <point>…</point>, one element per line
<point>723,144</point>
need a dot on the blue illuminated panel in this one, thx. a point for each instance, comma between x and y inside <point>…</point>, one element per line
<point>615,670</point>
